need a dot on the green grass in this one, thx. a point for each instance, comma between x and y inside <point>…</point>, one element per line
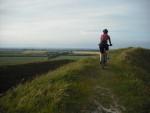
<point>84,87</point>
<point>13,74</point>
<point>14,57</point>
<point>73,57</point>
<point>128,78</point>
<point>31,59</point>
<point>20,56</point>
<point>59,91</point>
<point>20,60</point>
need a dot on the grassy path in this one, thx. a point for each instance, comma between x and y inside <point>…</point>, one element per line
<point>127,83</point>
<point>105,100</point>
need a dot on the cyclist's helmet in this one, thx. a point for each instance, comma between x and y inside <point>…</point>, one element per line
<point>105,31</point>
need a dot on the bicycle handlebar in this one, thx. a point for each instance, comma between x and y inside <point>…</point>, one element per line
<point>110,45</point>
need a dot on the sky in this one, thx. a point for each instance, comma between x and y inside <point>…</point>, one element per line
<point>73,23</point>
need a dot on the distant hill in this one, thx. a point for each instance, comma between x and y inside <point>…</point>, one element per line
<point>84,87</point>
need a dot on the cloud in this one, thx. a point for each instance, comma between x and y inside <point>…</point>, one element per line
<point>55,23</point>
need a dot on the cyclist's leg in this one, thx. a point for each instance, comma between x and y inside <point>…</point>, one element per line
<point>101,53</point>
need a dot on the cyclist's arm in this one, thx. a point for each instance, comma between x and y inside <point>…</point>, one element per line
<point>109,41</point>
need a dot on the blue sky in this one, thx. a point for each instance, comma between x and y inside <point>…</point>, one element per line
<point>73,23</point>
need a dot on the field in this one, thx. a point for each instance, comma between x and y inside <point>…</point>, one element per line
<point>19,65</point>
<point>22,56</point>
<point>20,60</point>
<point>19,56</point>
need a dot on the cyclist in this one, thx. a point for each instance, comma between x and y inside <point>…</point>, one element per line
<point>103,45</point>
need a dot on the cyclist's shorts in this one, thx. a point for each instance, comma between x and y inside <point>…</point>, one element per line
<point>103,48</point>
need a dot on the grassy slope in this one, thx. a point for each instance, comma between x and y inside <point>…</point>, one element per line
<point>83,87</point>
<point>10,76</point>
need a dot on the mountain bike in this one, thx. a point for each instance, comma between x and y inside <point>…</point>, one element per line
<point>104,58</point>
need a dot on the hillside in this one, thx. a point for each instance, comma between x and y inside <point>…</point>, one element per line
<point>84,87</point>
<point>11,75</point>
